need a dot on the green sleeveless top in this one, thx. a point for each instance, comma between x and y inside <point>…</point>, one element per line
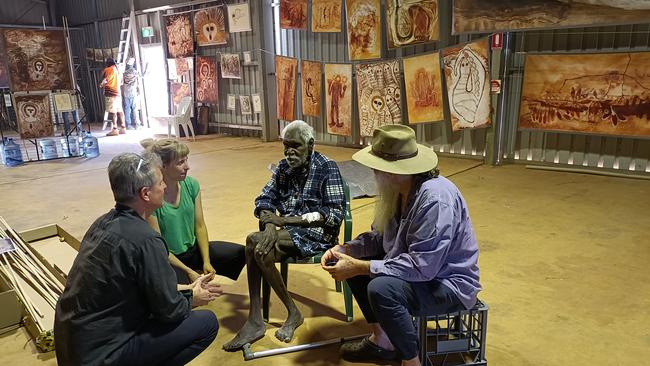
<point>177,223</point>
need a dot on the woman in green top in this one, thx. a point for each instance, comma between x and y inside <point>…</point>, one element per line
<point>180,220</point>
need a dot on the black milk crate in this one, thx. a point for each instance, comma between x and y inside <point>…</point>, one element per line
<point>456,338</point>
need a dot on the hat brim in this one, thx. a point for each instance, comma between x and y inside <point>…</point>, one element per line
<point>424,161</point>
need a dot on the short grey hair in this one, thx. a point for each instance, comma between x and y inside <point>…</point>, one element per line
<point>129,172</point>
<point>305,131</point>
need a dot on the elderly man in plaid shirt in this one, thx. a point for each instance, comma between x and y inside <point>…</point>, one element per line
<point>300,211</point>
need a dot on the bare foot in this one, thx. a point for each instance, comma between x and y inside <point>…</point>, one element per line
<point>285,333</point>
<point>249,333</point>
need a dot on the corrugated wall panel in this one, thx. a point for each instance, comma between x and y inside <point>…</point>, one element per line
<point>333,48</point>
<point>564,148</point>
<point>21,12</point>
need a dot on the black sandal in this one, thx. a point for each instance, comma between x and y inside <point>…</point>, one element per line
<point>364,351</point>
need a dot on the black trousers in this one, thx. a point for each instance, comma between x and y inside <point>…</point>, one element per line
<point>171,344</point>
<point>393,302</point>
<point>228,259</point>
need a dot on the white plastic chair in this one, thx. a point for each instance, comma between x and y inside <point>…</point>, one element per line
<point>182,118</point>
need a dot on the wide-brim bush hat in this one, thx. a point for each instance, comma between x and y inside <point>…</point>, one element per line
<point>395,150</point>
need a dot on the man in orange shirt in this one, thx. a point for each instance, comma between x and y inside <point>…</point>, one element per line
<point>112,98</point>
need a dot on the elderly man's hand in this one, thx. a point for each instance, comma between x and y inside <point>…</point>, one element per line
<point>269,238</point>
<point>347,267</point>
<point>267,217</point>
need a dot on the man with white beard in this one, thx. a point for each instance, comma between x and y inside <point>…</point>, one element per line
<point>420,258</point>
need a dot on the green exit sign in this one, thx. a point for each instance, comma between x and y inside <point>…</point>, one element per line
<point>147,31</point>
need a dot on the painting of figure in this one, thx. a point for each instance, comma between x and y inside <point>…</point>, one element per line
<point>210,26</point>
<point>326,16</point>
<point>411,22</point>
<point>178,92</point>
<point>588,93</point>
<point>468,84</point>
<point>37,60</point>
<point>293,14</point>
<point>480,16</point>
<point>4,72</point>
<point>338,98</point>
<point>33,114</point>
<point>230,66</point>
<point>285,83</point>
<point>206,80</point>
<point>364,29</point>
<point>379,95</point>
<point>180,42</point>
<point>245,103</point>
<point>239,18</point>
<point>184,67</point>
<point>311,87</point>
<point>423,88</point>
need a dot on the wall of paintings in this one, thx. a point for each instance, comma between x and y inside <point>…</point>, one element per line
<point>451,105</point>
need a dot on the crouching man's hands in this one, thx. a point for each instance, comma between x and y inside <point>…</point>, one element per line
<point>205,289</point>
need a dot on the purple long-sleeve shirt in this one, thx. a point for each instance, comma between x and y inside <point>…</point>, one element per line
<point>434,240</point>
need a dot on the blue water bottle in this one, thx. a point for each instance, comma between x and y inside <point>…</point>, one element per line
<point>90,146</point>
<point>11,154</point>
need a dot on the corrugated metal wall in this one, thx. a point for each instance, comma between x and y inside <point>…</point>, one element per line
<point>24,12</point>
<point>571,149</point>
<point>333,48</point>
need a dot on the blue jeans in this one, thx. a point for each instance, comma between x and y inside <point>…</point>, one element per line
<point>393,302</point>
<point>130,112</point>
<point>171,344</point>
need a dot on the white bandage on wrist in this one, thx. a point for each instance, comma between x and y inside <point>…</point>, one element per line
<point>311,217</point>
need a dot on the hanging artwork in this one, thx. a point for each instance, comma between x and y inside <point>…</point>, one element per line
<point>33,114</point>
<point>206,80</point>
<point>257,103</point>
<point>589,93</point>
<point>468,84</point>
<point>480,16</point>
<point>184,67</point>
<point>245,104</point>
<point>326,15</point>
<point>364,29</point>
<point>423,88</point>
<point>379,95</point>
<point>37,60</point>
<point>180,42</point>
<point>239,18</point>
<point>285,81</point>
<point>230,67</point>
<point>338,98</point>
<point>293,14</point>
<point>231,104</point>
<point>178,92</point>
<point>210,26</point>
<point>411,22</point>
<point>4,72</point>
<point>311,87</point>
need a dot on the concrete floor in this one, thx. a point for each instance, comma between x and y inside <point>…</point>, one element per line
<point>564,256</point>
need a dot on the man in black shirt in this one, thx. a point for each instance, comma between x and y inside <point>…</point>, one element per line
<point>122,304</point>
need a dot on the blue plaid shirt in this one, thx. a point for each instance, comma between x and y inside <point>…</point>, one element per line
<point>297,191</point>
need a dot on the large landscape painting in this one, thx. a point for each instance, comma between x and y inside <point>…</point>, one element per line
<point>468,84</point>
<point>411,22</point>
<point>590,93</point>
<point>37,60</point>
<point>482,16</point>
